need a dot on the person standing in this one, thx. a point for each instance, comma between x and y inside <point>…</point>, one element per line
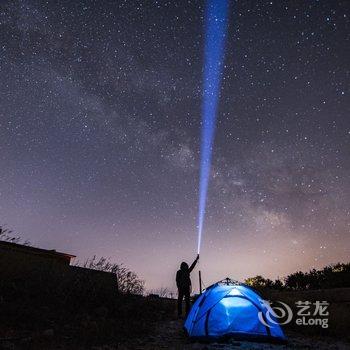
<point>183,283</point>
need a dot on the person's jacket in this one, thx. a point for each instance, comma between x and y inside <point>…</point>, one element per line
<point>183,280</point>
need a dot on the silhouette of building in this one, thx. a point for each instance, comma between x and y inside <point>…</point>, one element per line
<point>36,268</point>
<point>12,253</point>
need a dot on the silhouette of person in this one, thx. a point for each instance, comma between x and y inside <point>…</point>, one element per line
<point>183,283</point>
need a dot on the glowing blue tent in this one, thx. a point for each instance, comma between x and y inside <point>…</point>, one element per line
<point>231,309</point>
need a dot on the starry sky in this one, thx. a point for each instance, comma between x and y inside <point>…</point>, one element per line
<point>100,115</point>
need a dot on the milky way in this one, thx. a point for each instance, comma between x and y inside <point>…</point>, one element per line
<point>100,107</point>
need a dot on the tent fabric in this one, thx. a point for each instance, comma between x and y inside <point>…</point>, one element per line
<point>231,310</point>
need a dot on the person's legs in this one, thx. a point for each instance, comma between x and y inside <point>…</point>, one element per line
<point>188,302</point>
<point>180,296</point>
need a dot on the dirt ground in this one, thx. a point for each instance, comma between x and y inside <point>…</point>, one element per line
<point>170,336</point>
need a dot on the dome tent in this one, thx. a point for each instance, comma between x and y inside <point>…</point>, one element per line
<point>228,308</point>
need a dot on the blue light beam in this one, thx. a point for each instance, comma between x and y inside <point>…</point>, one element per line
<point>215,34</point>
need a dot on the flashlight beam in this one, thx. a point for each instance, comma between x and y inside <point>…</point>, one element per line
<point>215,34</point>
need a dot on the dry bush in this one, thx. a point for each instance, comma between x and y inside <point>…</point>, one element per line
<point>9,235</point>
<point>128,281</point>
<point>162,292</point>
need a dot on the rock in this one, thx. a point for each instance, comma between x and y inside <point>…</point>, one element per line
<point>6,345</point>
<point>152,339</point>
<point>25,342</point>
<point>48,333</point>
<point>101,311</point>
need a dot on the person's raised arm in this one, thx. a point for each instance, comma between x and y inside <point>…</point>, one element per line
<point>194,263</point>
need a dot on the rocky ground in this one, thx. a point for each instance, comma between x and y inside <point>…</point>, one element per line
<point>133,323</point>
<point>169,335</point>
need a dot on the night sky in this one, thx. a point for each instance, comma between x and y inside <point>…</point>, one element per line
<point>100,116</point>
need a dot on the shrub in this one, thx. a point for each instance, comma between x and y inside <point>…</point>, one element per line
<point>128,281</point>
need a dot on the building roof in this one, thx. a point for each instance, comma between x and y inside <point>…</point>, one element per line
<point>33,250</point>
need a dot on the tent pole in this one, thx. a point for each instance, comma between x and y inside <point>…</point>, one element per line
<point>200,282</point>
